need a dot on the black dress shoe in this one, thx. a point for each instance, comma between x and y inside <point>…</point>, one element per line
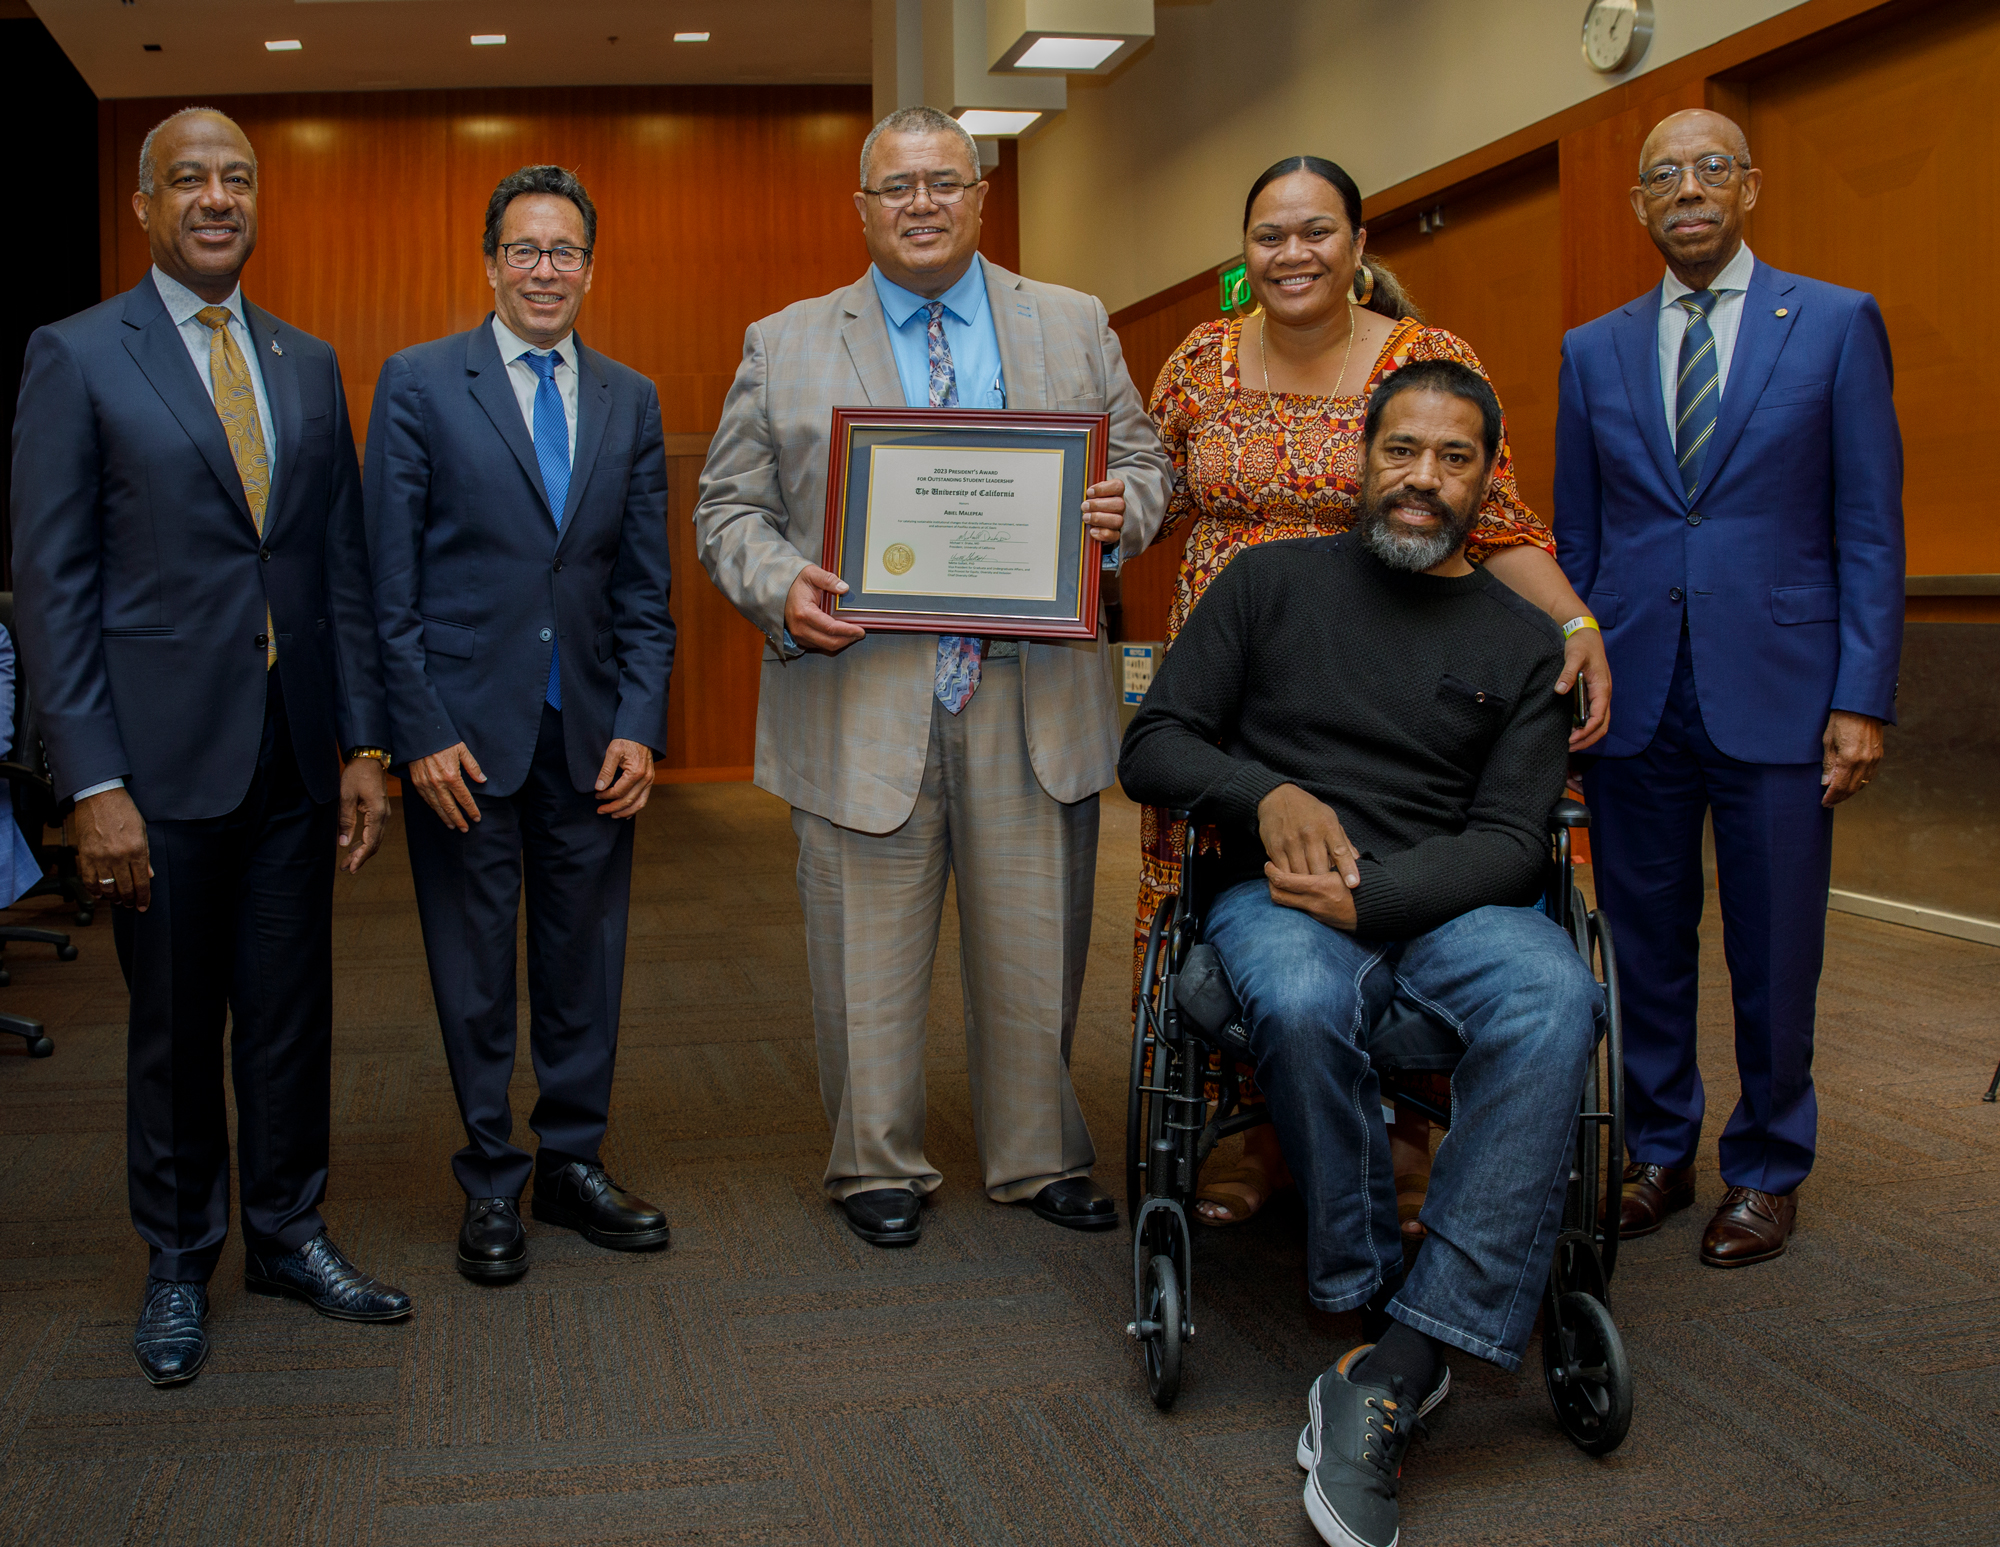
<point>319,1275</point>
<point>170,1344</point>
<point>582,1198</point>
<point>1076,1203</point>
<point>492,1246</point>
<point>885,1216</point>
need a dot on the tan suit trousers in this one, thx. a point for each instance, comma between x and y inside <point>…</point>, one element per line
<point>1025,864</point>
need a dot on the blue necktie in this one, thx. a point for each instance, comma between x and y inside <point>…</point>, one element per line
<point>1698,397</point>
<point>957,676</point>
<point>552,452</point>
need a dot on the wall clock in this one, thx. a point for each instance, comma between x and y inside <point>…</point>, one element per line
<point>1615,33</point>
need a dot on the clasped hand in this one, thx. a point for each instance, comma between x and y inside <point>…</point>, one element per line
<point>1312,866</point>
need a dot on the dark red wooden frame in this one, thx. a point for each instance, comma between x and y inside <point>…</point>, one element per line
<point>1010,626</point>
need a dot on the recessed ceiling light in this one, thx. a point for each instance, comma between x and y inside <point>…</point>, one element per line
<point>1068,53</point>
<point>284,46</point>
<point>992,121</point>
<point>488,39</point>
<point>151,48</point>
<point>690,37</point>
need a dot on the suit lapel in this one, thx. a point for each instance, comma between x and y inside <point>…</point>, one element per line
<point>1017,323</point>
<point>281,386</point>
<point>1760,339</point>
<point>593,413</point>
<point>1637,338</point>
<point>495,393</point>
<point>866,335</point>
<point>156,348</point>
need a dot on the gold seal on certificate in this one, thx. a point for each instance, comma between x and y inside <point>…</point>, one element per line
<point>964,521</point>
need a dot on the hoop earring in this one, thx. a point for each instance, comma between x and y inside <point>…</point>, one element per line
<point>1365,292</point>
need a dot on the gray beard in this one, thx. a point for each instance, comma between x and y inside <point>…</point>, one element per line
<point>1408,551</point>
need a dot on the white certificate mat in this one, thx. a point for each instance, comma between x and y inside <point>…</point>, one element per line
<point>963,521</point>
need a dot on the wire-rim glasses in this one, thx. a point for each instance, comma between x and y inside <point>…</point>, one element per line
<point>902,195</point>
<point>526,255</point>
<point>1713,171</point>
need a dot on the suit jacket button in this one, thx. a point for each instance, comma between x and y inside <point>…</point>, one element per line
<point>1694,519</point>
<point>263,640</point>
<point>265,555</point>
<point>546,636</point>
<point>1674,595</point>
<point>558,566</point>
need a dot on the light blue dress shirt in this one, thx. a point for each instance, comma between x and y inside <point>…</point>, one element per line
<point>968,329</point>
<point>1731,285</point>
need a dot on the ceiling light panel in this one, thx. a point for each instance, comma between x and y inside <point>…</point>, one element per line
<point>690,37</point>
<point>995,122</point>
<point>285,46</point>
<point>1068,53</point>
<point>1083,37</point>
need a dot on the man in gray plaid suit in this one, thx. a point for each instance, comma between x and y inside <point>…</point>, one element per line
<point>909,759</point>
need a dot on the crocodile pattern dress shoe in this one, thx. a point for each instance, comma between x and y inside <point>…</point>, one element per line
<point>1651,1194</point>
<point>582,1198</point>
<point>170,1344</point>
<point>1076,1203</point>
<point>1751,1226</point>
<point>492,1246</point>
<point>318,1274</point>
<point>885,1216</point>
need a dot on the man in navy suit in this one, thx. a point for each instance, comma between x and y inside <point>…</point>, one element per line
<point>516,501</point>
<point>1729,500</point>
<point>191,592</point>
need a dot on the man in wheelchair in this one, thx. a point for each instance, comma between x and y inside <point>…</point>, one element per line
<point>1373,724</point>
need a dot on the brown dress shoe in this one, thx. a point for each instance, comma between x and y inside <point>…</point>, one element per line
<point>1751,1226</point>
<point>1651,1194</point>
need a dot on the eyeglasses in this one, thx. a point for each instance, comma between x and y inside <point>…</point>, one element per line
<point>900,195</point>
<point>526,255</point>
<point>1663,179</point>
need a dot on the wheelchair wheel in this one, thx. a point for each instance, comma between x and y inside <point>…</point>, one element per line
<point>1588,1375</point>
<point>1139,1106</point>
<point>1159,1332</point>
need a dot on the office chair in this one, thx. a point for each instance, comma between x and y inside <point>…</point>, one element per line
<point>35,808</point>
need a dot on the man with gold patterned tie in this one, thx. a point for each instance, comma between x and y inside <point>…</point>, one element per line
<point>195,623</point>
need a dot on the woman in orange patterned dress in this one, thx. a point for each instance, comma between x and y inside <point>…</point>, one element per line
<point>1262,418</point>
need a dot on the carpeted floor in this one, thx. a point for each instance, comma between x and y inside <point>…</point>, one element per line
<point>773,1380</point>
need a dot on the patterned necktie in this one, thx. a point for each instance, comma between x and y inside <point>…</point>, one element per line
<point>957,677</point>
<point>552,452</point>
<point>236,404</point>
<point>1698,397</point>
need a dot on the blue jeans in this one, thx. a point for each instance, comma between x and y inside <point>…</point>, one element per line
<point>1511,984</point>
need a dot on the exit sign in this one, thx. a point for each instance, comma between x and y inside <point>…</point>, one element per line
<point>1235,288</point>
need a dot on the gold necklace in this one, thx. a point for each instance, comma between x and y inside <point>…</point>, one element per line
<point>1264,356</point>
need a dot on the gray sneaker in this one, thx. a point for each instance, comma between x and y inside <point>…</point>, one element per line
<point>1359,1437</point>
<point>1304,1454</point>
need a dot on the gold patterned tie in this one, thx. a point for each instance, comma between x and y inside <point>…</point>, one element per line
<point>236,403</point>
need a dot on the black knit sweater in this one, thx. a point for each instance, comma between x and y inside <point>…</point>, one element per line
<point>1420,708</point>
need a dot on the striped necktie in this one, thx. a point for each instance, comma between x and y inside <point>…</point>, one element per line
<point>236,405</point>
<point>552,452</point>
<point>1698,395</point>
<point>957,677</point>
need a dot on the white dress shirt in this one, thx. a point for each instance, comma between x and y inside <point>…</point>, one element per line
<point>521,376</point>
<point>182,304</point>
<point>1724,317</point>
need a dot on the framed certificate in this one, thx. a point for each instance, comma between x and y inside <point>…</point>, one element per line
<point>964,521</point>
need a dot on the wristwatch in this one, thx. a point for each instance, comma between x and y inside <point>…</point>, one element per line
<point>376,753</point>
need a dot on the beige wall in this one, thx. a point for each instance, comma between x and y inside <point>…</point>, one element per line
<point>1141,183</point>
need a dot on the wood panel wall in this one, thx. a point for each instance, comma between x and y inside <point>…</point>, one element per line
<point>716,206</point>
<point>1874,124</point>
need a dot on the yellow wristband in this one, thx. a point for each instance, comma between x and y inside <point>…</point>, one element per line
<point>1576,625</point>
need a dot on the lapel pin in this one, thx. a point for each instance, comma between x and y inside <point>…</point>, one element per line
<point>277,351</point>
<point>1781,311</point>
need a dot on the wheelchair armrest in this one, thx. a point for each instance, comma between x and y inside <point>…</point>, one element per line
<point>1569,813</point>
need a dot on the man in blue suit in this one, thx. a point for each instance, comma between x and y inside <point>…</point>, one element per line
<point>191,591</point>
<point>1729,500</point>
<point>516,499</point>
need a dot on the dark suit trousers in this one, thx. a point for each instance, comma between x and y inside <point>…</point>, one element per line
<point>240,925</point>
<point>1774,845</point>
<point>579,879</point>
